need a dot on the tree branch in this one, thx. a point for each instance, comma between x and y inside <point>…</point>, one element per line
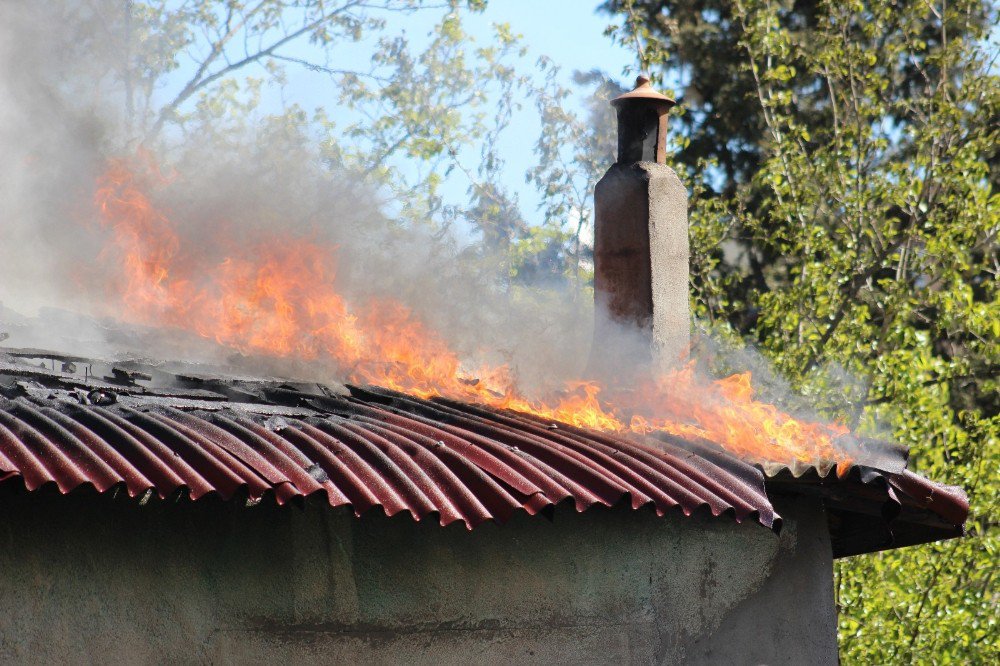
<point>199,80</point>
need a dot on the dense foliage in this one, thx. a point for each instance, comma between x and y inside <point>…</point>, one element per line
<point>845,221</point>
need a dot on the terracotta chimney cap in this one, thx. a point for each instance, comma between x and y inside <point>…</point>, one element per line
<point>643,90</point>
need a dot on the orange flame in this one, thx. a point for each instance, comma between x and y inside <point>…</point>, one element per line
<point>279,299</point>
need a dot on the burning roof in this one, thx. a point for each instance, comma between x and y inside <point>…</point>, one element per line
<point>153,433</point>
<point>449,433</point>
<point>279,297</point>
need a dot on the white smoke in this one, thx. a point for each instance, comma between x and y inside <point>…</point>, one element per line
<point>62,118</point>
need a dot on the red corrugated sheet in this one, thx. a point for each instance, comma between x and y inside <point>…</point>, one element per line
<point>453,461</point>
<point>950,503</point>
<point>214,435</point>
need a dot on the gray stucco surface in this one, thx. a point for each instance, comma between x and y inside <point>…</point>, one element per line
<point>90,579</point>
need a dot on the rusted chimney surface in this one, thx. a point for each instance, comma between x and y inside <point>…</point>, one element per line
<point>641,239</point>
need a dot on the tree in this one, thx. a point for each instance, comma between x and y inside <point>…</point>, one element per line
<point>843,157</point>
<point>175,77</point>
<point>210,89</point>
<point>423,111</point>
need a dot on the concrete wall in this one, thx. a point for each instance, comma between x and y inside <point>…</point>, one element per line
<point>95,579</point>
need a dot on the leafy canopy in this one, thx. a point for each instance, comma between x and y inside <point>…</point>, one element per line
<point>843,156</point>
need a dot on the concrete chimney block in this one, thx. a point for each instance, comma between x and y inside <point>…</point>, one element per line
<point>641,266</point>
<point>670,267</point>
<point>642,322</point>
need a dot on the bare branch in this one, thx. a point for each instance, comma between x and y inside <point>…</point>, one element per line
<point>200,80</point>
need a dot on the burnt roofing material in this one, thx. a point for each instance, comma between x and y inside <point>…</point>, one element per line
<point>201,435</point>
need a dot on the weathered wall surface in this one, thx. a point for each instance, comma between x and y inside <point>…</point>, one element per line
<point>94,579</point>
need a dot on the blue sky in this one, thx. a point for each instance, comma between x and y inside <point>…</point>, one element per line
<point>570,32</point>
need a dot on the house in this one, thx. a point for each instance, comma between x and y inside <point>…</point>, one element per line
<point>157,512</point>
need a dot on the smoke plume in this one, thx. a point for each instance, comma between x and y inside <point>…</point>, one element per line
<point>246,183</point>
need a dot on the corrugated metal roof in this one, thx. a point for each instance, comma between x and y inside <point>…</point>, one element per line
<point>206,435</point>
<point>373,449</point>
<point>951,503</point>
<point>871,510</point>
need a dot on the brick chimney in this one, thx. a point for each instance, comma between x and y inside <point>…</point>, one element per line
<point>641,242</point>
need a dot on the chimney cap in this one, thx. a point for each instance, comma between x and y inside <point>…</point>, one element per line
<point>643,90</point>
